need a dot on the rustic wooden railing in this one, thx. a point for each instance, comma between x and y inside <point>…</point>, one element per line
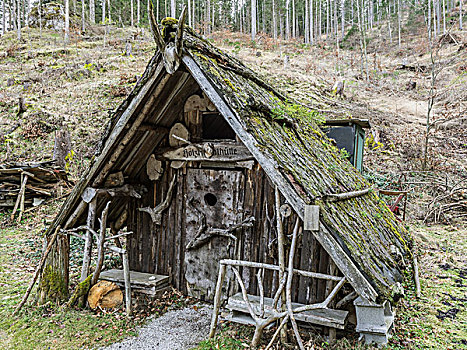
<point>278,311</point>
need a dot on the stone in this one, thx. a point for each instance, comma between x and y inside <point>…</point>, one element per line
<point>374,321</point>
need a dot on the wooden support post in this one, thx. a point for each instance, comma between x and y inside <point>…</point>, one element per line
<point>217,300</point>
<point>281,253</point>
<point>126,275</point>
<point>329,287</point>
<point>100,245</point>
<point>288,288</point>
<point>88,242</point>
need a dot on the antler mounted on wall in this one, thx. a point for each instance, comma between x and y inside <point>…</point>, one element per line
<point>171,49</point>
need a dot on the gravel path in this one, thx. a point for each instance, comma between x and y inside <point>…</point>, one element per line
<point>175,330</point>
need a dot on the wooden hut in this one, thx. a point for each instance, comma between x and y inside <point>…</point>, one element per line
<point>190,162</point>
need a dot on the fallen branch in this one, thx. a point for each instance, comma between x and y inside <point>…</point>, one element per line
<point>204,234</point>
<point>156,213</point>
<point>347,195</point>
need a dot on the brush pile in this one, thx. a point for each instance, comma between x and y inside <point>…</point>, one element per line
<point>29,184</point>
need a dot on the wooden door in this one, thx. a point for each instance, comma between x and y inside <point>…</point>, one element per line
<point>213,200</point>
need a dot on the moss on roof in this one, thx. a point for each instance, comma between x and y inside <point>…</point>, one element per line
<point>289,133</point>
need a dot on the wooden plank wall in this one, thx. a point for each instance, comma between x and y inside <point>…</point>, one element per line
<point>161,249</point>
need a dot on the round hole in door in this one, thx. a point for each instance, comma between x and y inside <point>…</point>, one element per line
<point>210,199</point>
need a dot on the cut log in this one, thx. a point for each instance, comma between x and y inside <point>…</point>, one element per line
<point>154,168</point>
<point>114,180</point>
<point>106,295</point>
<point>179,135</point>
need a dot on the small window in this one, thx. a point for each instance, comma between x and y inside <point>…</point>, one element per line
<point>216,128</point>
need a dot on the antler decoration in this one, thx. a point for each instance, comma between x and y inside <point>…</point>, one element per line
<point>171,51</point>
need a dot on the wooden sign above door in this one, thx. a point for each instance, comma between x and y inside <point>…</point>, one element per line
<point>210,151</point>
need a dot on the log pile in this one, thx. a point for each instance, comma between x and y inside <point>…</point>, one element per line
<point>28,184</point>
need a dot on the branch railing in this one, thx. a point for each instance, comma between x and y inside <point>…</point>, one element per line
<point>260,318</point>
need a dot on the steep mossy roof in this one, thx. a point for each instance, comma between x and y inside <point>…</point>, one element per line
<point>289,133</point>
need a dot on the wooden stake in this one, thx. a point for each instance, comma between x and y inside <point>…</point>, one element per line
<point>288,287</point>
<point>38,270</point>
<point>100,245</point>
<point>126,275</point>
<point>217,300</point>
<point>20,199</point>
<point>88,242</point>
<point>281,253</point>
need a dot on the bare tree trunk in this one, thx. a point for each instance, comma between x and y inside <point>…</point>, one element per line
<point>336,26</point>
<point>172,8</point>
<point>213,17</point>
<point>364,60</point>
<point>92,12</point>
<point>287,20</point>
<point>138,12</point>
<point>274,24</point>
<point>429,20</point>
<point>294,20</point>
<point>83,19</point>
<point>253,19</point>
<point>132,13</point>
<point>103,11</point>
<point>444,16</point>
<point>67,21</point>
<point>207,29</point>
<point>320,25</point>
<point>194,13</point>
<point>263,16</point>
<point>438,16</point>
<point>307,24</point>
<point>3,18</point>
<point>311,23</point>
<point>190,23</point>
<point>342,18</point>
<point>18,26</point>
<point>460,15</point>
<point>399,22</point>
<point>110,11</point>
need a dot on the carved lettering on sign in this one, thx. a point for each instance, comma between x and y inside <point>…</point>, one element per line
<point>220,151</point>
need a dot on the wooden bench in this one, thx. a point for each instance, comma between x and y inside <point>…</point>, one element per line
<point>324,317</point>
<point>141,282</point>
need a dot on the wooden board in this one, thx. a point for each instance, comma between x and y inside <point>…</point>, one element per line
<point>210,151</point>
<point>215,194</point>
<point>324,317</point>
<point>146,283</point>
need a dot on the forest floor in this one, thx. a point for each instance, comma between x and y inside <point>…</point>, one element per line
<point>79,85</point>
